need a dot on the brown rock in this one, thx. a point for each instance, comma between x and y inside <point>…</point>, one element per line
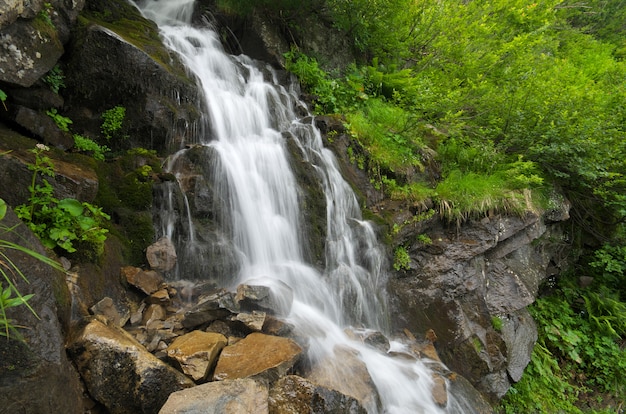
<point>153,313</point>
<point>197,352</point>
<point>162,255</point>
<point>346,373</point>
<point>257,355</point>
<point>107,308</point>
<point>295,395</point>
<point>120,373</point>
<point>147,281</point>
<point>254,321</point>
<point>161,297</point>
<point>439,390</point>
<point>239,396</point>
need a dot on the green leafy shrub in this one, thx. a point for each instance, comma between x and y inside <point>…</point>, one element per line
<point>62,122</point>
<point>384,129</point>
<point>10,296</point>
<point>55,79</point>
<point>85,144</point>
<point>112,123</point>
<point>61,223</point>
<point>314,80</point>
<point>402,260</point>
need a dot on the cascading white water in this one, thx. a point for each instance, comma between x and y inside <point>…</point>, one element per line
<point>250,117</point>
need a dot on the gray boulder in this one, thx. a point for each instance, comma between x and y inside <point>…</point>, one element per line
<point>32,36</point>
<point>120,373</point>
<point>239,396</point>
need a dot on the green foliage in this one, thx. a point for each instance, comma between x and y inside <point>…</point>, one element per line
<point>85,144</point>
<point>45,12</point>
<point>62,122</point>
<point>276,7</point>
<point>314,80</point>
<point>543,388</point>
<point>112,123</point>
<point>3,98</point>
<point>461,196</point>
<point>7,301</point>
<point>402,260</point>
<point>61,223</point>
<point>496,323</point>
<point>384,129</point>
<point>55,79</point>
<point>581,332</point>
<point>424,239</point>
<point>499,80</point>
<point>10,296</point>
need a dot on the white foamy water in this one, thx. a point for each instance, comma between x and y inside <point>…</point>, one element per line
<point>249,118</point>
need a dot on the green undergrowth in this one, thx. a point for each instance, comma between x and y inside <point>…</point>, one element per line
<point>579,362</point>
<point>472,179</point>
<point>481,107</point>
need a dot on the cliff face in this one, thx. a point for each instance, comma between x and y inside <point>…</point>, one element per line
<point>468,284</point>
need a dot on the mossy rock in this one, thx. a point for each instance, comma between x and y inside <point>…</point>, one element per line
<point>126,193</point>
<point>117,58</point>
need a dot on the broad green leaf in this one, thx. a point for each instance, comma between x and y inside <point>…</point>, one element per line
<point>72,206</point>
<point>3,208</point>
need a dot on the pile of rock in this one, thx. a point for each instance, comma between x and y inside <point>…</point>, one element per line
<point>188,345</point>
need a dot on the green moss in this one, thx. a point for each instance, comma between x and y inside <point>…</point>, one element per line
<point>126,193</point>
<point>137,232</point>
<point>126,21</point>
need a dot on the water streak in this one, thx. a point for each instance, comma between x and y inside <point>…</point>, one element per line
<point>251,118</point>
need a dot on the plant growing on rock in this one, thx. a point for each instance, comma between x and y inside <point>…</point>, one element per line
<point>402,260</point>
<point>45,12</point>
<point>10,296</point>
<point>84,144</point>
<point>3,98</point>
<point>62,122</point>
<point>60,223</point>
<point>112,122</point>
<point>55,79</point>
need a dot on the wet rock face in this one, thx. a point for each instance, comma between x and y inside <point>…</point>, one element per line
<point>348,375</point>
<point>159,98</point>
<point>472,286</point>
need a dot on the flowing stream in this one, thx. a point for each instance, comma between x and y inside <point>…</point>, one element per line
<point>249,117</point>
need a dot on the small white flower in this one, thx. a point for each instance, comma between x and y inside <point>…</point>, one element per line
<point>42,147</point>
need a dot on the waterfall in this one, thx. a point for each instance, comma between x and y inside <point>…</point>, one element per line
<point>250,121</point>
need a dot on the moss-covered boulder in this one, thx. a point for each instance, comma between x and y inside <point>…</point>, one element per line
<point>117,59</point>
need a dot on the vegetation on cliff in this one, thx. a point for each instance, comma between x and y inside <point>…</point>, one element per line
<point>474,107</point>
